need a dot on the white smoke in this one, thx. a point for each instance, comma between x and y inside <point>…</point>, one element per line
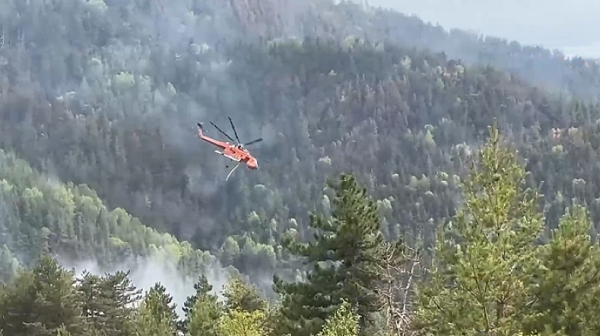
<point>152,269</point>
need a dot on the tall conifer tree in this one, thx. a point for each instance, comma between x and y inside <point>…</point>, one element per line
<point>344,261</point>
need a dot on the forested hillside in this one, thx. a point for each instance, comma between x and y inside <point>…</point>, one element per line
<point>110,97</point>
<point>493,271</point>
<point>548,68</point>
<point>101,160</point>
<point>44,216</point>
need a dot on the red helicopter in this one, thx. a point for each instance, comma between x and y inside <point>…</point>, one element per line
<point>235,152</point>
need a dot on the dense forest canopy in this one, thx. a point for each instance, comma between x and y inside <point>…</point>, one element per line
<point>100,159</point>
<point>492,271</point>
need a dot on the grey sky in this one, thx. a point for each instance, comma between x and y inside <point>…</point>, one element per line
<point>570,25</point>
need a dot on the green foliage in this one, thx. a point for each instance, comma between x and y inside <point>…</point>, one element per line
<point>72,220</point>
<point>8,264</point>
<point>105,110</point>
<point>344,259</point>
<point>243,323</point>
<point>202,288</point>
<point>491,274</point>
<point>483,259</point>
<point>201,298</point>
<point>156,315</point>
<point>107,302</point>
<point>312,96</point>
<point>330,102</point>
<point>567,286</point>
<point>242,296</point>
<point>343,323</point>
<point>42,301</point>
<point>62,331</point>
<point>205,316</point>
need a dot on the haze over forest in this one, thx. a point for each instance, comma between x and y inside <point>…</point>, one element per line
<point>395,189</point>
<point>570,27</point>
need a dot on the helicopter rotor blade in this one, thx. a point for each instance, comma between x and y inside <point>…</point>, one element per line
<point>220,130</point>
<point>253,141</point>
<point>234,131</point>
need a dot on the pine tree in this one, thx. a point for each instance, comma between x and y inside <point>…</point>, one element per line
<point>94,304</point>
<point>344,260</point>
<point>242,296</point>
<point>204,317</point>
<point>483,260</point>
<point>162,302</point>
<point>243,323</point>
<point>8,264</point>
<point>203,289</point>
<point>42,302</point>
<point>107,302</point>
<point>343,323</point>
<point>567,285</point>
<point>156,314</point>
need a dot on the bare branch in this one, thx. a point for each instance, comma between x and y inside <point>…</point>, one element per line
<point>399,266</point>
